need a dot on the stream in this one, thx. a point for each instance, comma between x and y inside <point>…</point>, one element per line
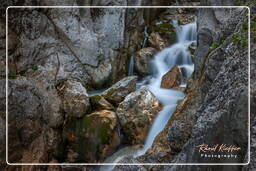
<point>176,54</point>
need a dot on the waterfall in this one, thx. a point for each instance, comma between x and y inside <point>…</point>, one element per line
<point>131,66</point>
<point>176,54</point>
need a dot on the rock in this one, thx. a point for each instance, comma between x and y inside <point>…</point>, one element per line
<point>75,99</point>
<point>172,78</point>
<point>93,137</point>
<point>136,114</point>
<point>54,167</point>
<point>142,60</point>
<point>100,103</point>
<point>116,93</point>
<point>38,149</point>
<point>192,47</point>
<point>129,159</point>
<point>157,41</point>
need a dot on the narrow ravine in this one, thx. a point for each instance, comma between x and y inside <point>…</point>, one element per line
<point>176,54</point>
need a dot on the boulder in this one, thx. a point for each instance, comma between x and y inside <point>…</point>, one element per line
<point>75,99</point>
<point>136,114</point>
<point>157,41</point>
<point>172,78</point>
<point>116,93</point>
<point>100,103</point>
<point>142,60</point>
<point>93,137</point>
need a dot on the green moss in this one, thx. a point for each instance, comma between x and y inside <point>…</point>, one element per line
<point>12,75</point>
<point>216,45</point>
<point>164,27</point>
<point>34,67</point>
<point>242,3</point>
<point>253,27</point>
<point>240,39</point>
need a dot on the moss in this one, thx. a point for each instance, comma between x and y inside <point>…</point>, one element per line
<point>240,39</point>
<point>164,27</point>
<point>110,92</point>
<point>12,75</point>
<point>34,67</point>
<point>216,45</point>
<point>242,3</point>
<point>253,27</point>
<point>90,134</point>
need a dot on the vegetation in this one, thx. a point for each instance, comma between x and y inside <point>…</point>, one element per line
<point>12,75</point>
<point>240,39</point>
<point>216,45</point>
<point>34,67</point>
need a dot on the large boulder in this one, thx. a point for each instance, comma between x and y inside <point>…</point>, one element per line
<point>172,78</point>
<point>136,114</point>
<point>93,137</point>
<point>116,93</point>
<point>75,98</point>
<point>142,60</point>
<point>157,41</point>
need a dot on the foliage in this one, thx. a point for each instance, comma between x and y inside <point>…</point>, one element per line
<point>12,75</point>
<point>240,39</point>
<point>164,27</point>
<point>242,3</point>
<point>34,67</point>
<point>216,45</point>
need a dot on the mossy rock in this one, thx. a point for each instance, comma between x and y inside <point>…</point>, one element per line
<point>93,137</point>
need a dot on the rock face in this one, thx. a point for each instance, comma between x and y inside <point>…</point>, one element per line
<point>120,90</point>
<point>172,78</point>
<point>215,109</point>
<point>142,60</point>
<point>75,99</point>
<point>136,114</point>
<point>93,137</point>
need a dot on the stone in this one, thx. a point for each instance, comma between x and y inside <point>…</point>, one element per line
<point>116,93</point>
<point>157,41</point>
<point>75,99</point>
<point>136,114</point>
<point>93,137</point>
<point>142,60</point>
<point>100,103</point>
<point>172,78</point>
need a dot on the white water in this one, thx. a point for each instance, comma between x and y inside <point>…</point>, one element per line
<point>177,54</point>
<point>131,66</point>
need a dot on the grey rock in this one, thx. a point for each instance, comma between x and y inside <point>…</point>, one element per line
<point>142,60</point>
<point>120,90</point>
<point>75,99</point>
<point>136,114</point>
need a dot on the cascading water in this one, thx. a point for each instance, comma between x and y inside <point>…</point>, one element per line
<point>131,66</point>
<point>176,54</point>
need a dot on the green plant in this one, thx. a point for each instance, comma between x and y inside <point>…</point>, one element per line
<point>240,39</point>
<point>12,75</point>
<point>34,67</point>
<point>216,45</point>
<point>242,3</point>
<point>164,27</point>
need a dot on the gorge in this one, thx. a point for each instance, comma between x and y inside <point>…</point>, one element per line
<point>127,85</point>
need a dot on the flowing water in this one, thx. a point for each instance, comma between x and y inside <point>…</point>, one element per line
<point>176,54</point>
<point>131,66</point>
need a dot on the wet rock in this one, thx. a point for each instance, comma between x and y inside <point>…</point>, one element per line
<point>75,99</point>
<point>192,47</point>
<point>142,60</point>
<point>93,137</point>
<point>157,41</point>
<point>136,114</point>
<point>116,93</point>
<point>172,78</point>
